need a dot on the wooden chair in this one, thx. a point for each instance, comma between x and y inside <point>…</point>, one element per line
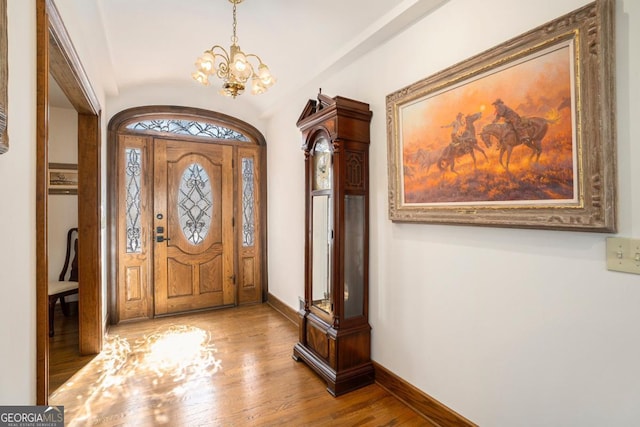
<point>63,287</point>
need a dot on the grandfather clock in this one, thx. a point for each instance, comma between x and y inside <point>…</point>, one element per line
<point>335,336</point>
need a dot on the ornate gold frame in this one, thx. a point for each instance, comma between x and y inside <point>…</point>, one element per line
<point>590,32</point>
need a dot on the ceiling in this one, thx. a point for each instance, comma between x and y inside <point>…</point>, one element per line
<point>143,42</point>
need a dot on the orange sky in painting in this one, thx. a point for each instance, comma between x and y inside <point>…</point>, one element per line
<point>535,87</point>
<point>532,88</point>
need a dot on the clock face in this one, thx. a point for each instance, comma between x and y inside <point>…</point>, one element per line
<point>322,165</point>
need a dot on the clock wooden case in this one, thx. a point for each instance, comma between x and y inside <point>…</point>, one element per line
<point>335,336</point>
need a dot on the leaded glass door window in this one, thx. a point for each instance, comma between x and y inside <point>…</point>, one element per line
<point>133,170</point>
<point>195,203</point>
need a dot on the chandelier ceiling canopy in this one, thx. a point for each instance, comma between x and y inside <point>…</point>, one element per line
<point>234,67</point>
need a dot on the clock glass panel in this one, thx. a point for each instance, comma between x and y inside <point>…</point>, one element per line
<point>322,174</point>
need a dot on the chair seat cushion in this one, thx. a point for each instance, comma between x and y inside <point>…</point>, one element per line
<point>59,287</point>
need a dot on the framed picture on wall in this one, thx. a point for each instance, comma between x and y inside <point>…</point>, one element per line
<point>63,178</point>
<point>522,135</point>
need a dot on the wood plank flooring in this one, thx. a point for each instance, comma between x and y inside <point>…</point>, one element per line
<point>64,353</point>
<point>230,367</point>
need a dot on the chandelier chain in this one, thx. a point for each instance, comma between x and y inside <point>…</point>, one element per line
<point>234,38</point>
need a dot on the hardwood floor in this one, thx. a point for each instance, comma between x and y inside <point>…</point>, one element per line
<point>230,367</point>
<point>64,353</point>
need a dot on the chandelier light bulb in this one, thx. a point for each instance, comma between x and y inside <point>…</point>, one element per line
<point>265,75</point>
<point>200,77</point>
<point>257,87</point>
<point>206,63</point>
<point>240,62</point>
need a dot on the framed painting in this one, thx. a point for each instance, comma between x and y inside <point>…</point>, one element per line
<point>522,135</point>
<point>63,178</point>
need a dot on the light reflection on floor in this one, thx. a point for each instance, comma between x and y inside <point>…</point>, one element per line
<point>162,366</point>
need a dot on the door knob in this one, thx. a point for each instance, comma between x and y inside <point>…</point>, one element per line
<point>161,239</point>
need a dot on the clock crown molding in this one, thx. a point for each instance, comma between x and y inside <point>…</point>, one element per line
<point>316,117</point>
<point>316,111</point>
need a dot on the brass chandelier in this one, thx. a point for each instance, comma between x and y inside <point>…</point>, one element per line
<point>233,67</point>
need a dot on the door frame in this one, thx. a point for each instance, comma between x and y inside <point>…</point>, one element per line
<point>57,56</point>
<point>118,126</point>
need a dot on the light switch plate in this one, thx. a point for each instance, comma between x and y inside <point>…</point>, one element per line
<point>623,254</point>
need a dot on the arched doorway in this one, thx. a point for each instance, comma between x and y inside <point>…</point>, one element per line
<point>187,212</point>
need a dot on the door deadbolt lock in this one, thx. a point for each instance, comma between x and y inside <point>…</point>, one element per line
<point>159,235</point>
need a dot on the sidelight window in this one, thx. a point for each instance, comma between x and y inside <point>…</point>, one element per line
<point>133,168</point>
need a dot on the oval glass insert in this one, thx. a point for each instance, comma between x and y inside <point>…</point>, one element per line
<point>195,203</point>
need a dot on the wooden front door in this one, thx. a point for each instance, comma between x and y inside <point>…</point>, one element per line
<point>187,208</point>
<point>193,226</point>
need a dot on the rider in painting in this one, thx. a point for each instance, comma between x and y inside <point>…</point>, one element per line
<point>512,118</point>
<point>457,128</point>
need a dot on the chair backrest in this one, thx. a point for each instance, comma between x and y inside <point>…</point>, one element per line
<point>73,276</point>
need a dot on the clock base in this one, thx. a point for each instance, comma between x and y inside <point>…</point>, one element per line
<point>338,383</point>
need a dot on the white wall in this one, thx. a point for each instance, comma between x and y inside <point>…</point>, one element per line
<point>63,208</point>
<point>17,215</point>
<point>506,326</point>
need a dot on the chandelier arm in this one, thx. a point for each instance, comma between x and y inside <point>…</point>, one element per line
<point>248,55</point>
<point>224,54</point>
<point>223,71</point>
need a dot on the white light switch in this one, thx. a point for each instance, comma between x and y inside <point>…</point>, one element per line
<point>623,254</point>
